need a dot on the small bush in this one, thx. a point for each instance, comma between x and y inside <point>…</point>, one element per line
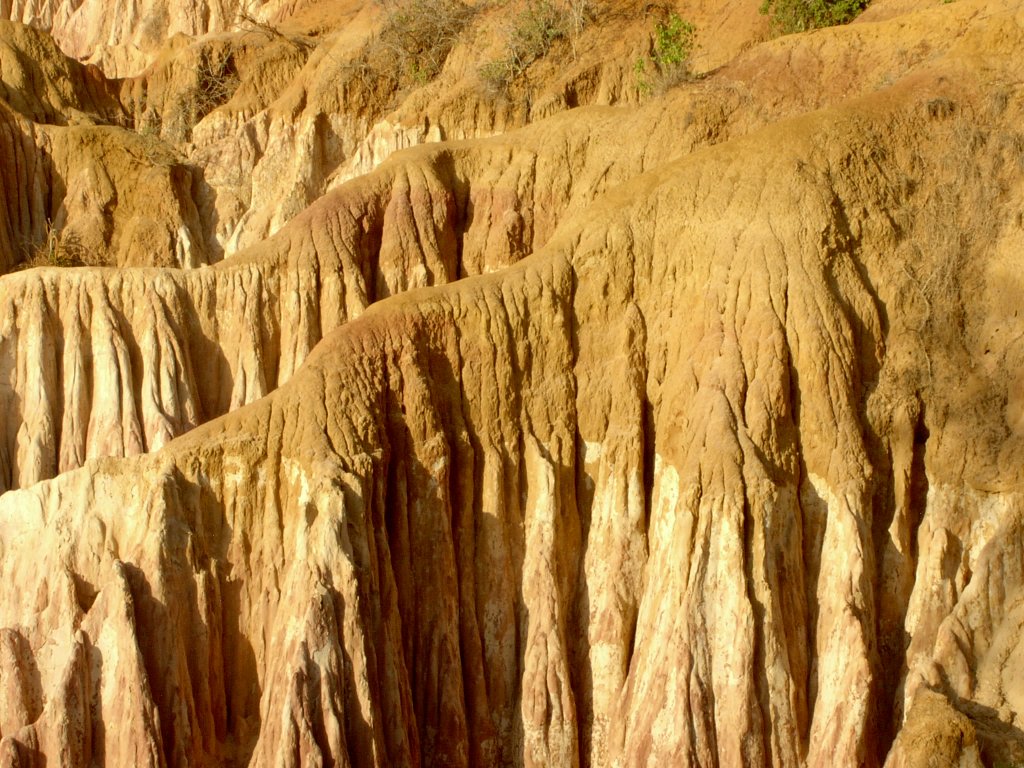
<point>789,16</point>
<point>216,82</point>
<point>644,82</point>
<point>580,14</point>
<point>418,35</point>
<point>533,32</point>
<point>670,61</point>
<point>536,27</point>
<point>673,42</point>
<point>58,248</point>
<point>150,124</point>
<point>496,76</point>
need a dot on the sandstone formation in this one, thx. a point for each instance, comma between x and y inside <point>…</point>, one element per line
<point>687,433</point>
<point>309,110</point>
<point>134,358</point>
<point>71,171</point>
<point>122,37</point>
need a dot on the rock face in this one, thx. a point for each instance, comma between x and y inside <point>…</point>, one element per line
<point>309,110</point>
<point>101,193</point>
<point>122,38</point>
<point>682,434</point>
<point>135,358</point>
<point>72,177</point>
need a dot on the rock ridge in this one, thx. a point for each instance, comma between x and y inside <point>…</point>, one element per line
<point>710,457</point>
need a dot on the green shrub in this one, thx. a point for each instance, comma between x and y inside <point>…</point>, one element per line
<point>670,62</point>
<point>643,78</point>
<point>789,16</point>
<point>673,42</point>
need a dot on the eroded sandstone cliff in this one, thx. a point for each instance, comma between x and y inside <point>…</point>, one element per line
<point>681,434</point>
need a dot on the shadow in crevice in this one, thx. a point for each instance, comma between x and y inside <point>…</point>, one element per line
<point>201,668</point>
<point>202,204</point>
<point>359,734</point>
<point>16,650</point>
<point>583,675</point>
<point>457,511</point>
<point>899,503</point>
<point>814,519</point>
<point>1001,743</point>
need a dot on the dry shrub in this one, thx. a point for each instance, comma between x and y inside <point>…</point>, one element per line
<point>532,34</point>
<point>248,21</point>
<point>58,248</point>
<point>216,82</point>
<point>417,37</point>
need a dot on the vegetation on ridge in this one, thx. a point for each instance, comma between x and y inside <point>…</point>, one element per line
<point>669,64</point>
<point>531,35</point>
<point>789,16</point>
<point>418,36</point>
<point>58,248</point>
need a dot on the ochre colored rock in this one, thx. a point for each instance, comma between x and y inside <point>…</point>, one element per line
<point>687,433</point>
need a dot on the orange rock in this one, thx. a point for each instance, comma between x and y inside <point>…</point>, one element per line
<point>675,434</point>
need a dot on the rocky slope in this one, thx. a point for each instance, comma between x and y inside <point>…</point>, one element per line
<point>680,434</point>
<point>280,106</point>
<point>72,177</point>
<point>122,38</point>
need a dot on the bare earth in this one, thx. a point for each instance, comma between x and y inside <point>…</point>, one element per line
<point>399,424</point>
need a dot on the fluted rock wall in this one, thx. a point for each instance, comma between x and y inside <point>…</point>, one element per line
<point>113,364</point>
<point>497,202</point>
<point>104,194</point>
<point>712,458</point>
